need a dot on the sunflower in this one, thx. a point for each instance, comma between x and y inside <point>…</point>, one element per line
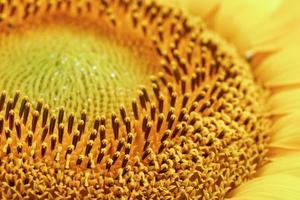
<point>134,99</point>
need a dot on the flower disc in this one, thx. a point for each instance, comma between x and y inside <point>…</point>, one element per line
<point>123,100</point>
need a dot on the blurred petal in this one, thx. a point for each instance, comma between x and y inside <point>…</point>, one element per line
<point>272,187</point>
<point>283,24</point>
<point>201,8</point>
<point>285,102</point>
<point>241,21</point>
<point>285,140</point>
<point>286,135</point>
<point>282,68</point>
<point>287,131</point>
<point>288,164</point>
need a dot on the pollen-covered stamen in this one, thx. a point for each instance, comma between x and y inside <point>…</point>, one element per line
<point>71,123</point>
<point>52,124</point>
<point>171,111</point>
<point>2,99</point>
<point>45,114</point>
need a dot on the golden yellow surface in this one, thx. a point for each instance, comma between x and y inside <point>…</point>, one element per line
<point>138,102</point>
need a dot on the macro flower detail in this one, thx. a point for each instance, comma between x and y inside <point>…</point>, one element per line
<point>134,99</point>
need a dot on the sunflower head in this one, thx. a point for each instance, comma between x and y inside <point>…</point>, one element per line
<point>123,99</point>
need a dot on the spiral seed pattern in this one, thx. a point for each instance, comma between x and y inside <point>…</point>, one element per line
<point>196,130</point>
<point>70,63</point>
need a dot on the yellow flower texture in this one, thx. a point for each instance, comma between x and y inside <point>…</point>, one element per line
<point>145,99</point>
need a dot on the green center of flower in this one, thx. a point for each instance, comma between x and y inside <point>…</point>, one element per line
<point>75,64</point>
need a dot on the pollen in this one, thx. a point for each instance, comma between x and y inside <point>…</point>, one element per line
<point>123,99</point>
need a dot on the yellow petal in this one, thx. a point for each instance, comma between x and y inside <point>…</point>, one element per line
<point>280,28</point>
<point>241,21</point>
<point>285,102</point>
<point>282,68</point>
<point>272,187</point>
<point>285,22</point>
<point>201,8</point>
<point>259,24</point>
<point>288,164</point>
<point>286,133</point>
